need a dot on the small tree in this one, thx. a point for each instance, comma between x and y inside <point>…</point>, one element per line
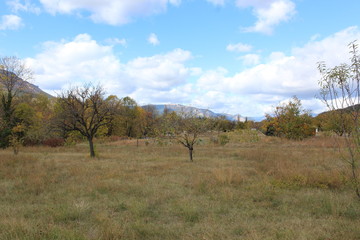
<point>185,127</point>
<point>290,121</point>
<point>188,131</point>
<point>13,76</point>
<point>340,91</point>
<point>84,110</point>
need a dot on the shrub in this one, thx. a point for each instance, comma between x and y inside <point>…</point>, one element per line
<point>54,142</point>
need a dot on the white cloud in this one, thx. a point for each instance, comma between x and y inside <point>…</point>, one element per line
<point>79,60</point>
<point>109,11</point>
<point>23,5</point>
<point>168,78</point>
<point>281,76</point>
<point>268,13</point>
<point>160,72</point>
<point>239,47</point>
<point>153,39</point>
<point>10,22</point>
<point>217,2</point>
<point>250,59</point>
<point>85,60</point>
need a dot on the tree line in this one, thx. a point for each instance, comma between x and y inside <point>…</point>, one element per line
<point>85,113</point>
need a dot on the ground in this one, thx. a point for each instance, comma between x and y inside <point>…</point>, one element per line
<point>251,188</point>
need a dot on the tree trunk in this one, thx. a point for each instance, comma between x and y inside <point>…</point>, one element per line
<point>91,144</point>
<point>191,154</point>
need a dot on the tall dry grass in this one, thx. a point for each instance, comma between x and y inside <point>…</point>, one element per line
<point>263,189</point>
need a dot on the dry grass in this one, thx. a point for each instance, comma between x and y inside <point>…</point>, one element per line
<point>263,189</point>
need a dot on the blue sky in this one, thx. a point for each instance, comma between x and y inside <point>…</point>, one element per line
<point>231,56</point>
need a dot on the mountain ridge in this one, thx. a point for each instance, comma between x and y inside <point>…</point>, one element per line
<point>198,112</point>
<point>25,86</point>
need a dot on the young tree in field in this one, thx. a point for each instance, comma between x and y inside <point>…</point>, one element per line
<point>340,91</point>
<point>185,127</point>
<point>290,121</point>
<point>13,74</point>
<point>188,132</point>
<point>84,109</point>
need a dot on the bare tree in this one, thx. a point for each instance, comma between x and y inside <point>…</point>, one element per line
<point>340,91</point>
<point>188,132</point>
<point>186,127</point>
<point>84,109</point>
<point>14,75</point>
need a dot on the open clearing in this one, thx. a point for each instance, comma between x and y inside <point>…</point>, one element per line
<point>269,189</point>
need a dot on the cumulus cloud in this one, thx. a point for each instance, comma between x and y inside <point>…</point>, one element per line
<point>153,39</point>
<point>85,60</point>
<point>281,76</point>
<point>168,78</point>
<point>10,22</point>
<point>268,13</point>
<point>109,11</point>
<point>239,47</point>
<point>159,72</point>
<point>79,60</point>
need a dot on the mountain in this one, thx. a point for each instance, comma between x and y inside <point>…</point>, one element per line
<point>193,111</point>
<point>23,86</point>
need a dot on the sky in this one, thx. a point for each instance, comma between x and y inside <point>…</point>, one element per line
<point>230,56</point>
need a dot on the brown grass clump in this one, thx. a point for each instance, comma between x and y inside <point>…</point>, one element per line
<point>264,189</point>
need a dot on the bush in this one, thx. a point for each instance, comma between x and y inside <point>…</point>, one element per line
<point>54,142</point>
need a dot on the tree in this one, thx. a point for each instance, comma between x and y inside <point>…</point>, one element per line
<point>290,121</point>
<point>340,91</point>
<point>13,76</point>
<point>337,121</point>
<point>83,109</point>
<point>185,127</point>
<point>188,132</point>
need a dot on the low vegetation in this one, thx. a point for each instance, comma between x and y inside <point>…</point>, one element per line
<point>269,180</point>
<point>253,187</point>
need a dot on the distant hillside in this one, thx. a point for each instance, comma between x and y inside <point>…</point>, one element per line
<point>26,87</point>
<point>199,112</point>
<point>347,110</point>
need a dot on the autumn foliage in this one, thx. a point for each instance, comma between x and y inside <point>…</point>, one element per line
<point>289,121</point>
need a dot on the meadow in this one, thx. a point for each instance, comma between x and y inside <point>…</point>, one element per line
<point>254,187</point>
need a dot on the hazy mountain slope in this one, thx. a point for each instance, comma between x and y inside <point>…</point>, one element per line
<point>25,86</point>
<point>199,112</point>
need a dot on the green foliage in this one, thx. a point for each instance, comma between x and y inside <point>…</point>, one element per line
<point>221,124</point>
<point>338,121</point>
<point>13,74</point>
<point>290,121</point>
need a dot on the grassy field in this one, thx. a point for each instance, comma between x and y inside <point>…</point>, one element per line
<point>248,189</point>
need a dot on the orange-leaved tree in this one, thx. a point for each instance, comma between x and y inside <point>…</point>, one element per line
<point>289,121</point>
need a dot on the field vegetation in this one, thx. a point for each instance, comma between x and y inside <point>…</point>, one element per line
<point>251,187</point>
